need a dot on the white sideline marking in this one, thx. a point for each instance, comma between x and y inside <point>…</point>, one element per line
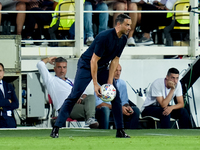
<point>89,131</point>
<point>159,134</point>
<point>36,128</point>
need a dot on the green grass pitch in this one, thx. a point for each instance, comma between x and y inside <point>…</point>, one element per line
<point>85,139</point>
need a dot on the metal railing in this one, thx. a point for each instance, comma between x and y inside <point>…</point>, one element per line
<point>79,48</point>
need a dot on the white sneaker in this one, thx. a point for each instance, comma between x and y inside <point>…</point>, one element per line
<point>144,41</point>
<point>89,41</point>
<point>28,41</point>
<point>92,123</point>
<point>131,41</point>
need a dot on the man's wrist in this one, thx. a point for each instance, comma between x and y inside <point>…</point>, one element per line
<point>95,82</point>
<point>45,60</point>
<point>173,88</point>
<point>165,8</point>
<point>126,105</point>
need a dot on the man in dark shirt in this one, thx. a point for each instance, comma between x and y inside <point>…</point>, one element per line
<point>8,102</point>
<point>93,64</point>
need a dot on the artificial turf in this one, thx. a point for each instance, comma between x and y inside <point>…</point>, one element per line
<point>84,139</point>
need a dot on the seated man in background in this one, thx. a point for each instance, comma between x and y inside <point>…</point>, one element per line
<point>97,5</point>
<point>8,102</point>
<point>36,21</point>
<point>59,87</point>
<point>157,103</point>
<point>130,111</point>
<point>151,21</point>
<point>11,5</point>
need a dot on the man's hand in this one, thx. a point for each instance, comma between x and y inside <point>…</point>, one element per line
<point>10,101</point>
<point>97,90</point>
<point>127,110</point>
<point>123,1</point>
<point>26,1</point>
<point>104,105</point>
<point>161,7</point>
<point>52,60</point>
<point>141,2</point>
<point>81,98</point>
<point>79,101</point>
<point>171,84</point>
<point>167,110</point>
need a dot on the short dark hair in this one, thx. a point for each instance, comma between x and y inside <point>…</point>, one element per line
<point>172,70</point>
<point>60,59</point>
<point>2,66</point>
<point>120,18</point>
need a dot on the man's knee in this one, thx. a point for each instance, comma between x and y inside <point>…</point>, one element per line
<point>90,97</point>
<point>132,6</point>
<point>119,6</point>
<point>136,111</point>
<point>103,6</point>
<point>88,6</point>
<point>153,111</point>
<point>105,110</point>
<point>21,6</point>
<point>184,112</point>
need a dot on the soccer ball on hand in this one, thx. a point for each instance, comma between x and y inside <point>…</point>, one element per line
<point>108,92</point>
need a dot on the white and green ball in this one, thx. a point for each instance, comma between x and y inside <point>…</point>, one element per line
<point>108,92</point>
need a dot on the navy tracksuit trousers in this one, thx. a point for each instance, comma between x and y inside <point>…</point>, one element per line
<point>82,79</point>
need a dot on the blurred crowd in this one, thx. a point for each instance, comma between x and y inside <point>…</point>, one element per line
<point>31,25</point>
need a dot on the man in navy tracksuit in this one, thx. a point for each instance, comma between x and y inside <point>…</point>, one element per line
<point>8,102</point>
<point>93,64</point>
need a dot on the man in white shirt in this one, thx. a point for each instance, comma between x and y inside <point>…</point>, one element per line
<point>157,103</point>
<point>59,87</point>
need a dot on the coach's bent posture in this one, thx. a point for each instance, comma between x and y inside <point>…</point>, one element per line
<point>8,102</point>
<point>93,64</point>
<point>161,92</point>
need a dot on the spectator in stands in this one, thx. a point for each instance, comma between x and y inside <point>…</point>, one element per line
<point>11,5</point>
<point>161,93</point>
<point>59,87</point>
<point>121,5</point>
<point>36,21</point>
<point>130,111</point>
<point>151,21</point>
<point>98,5</point>
<point>8,102</point>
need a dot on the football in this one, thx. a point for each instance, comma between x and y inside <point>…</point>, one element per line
<point>108,92</point>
